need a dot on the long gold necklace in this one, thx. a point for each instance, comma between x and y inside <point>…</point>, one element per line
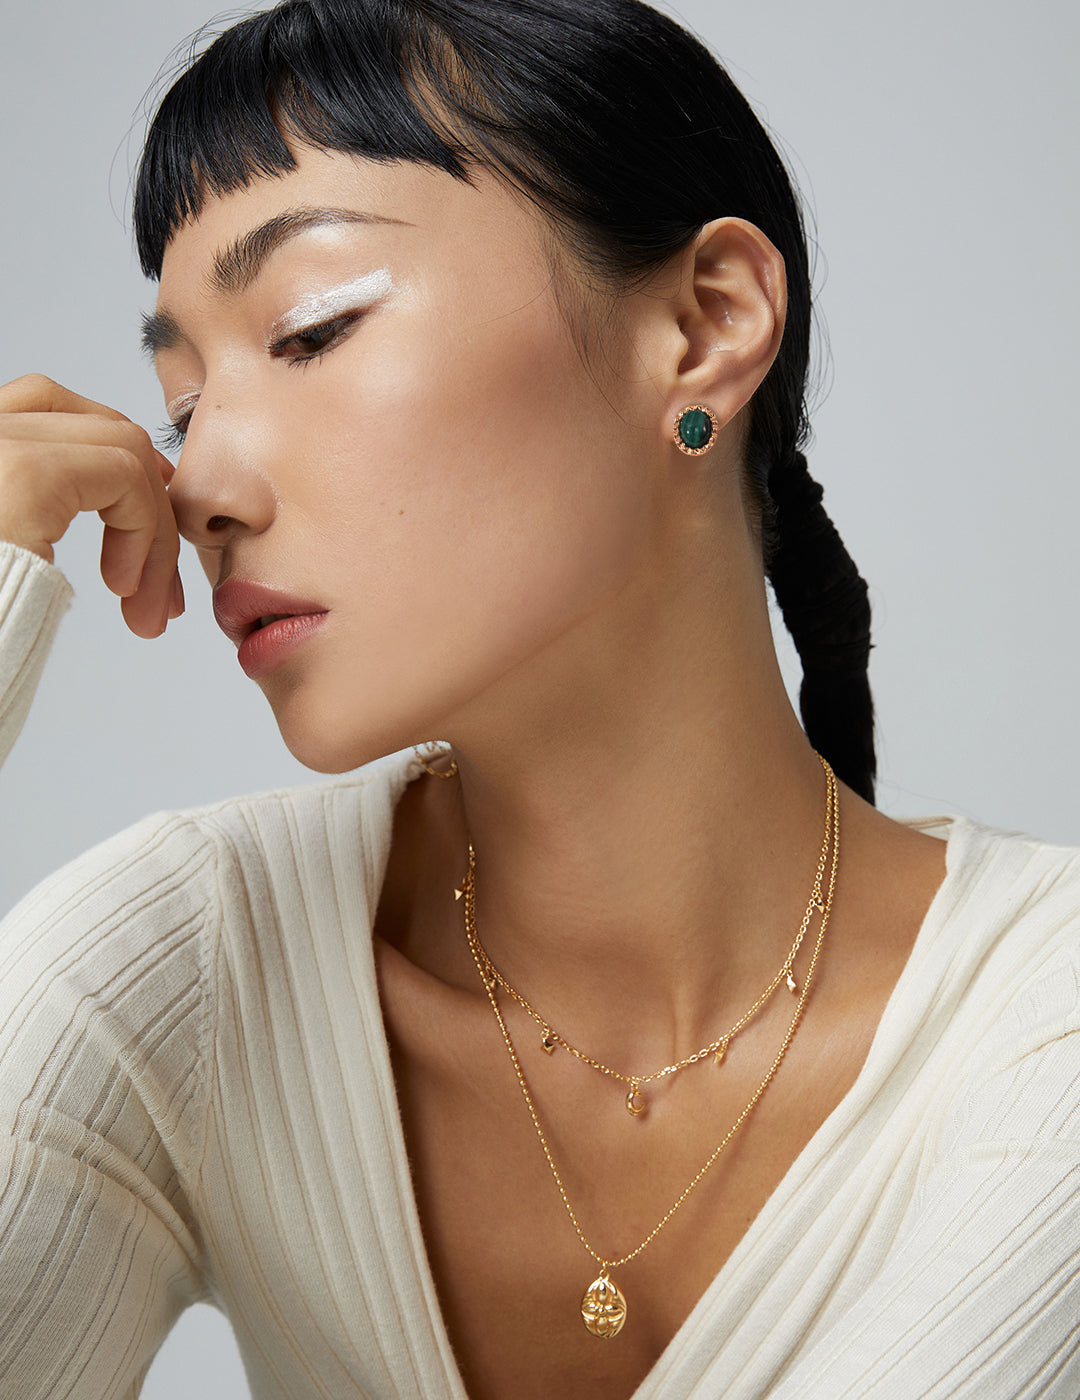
<point>603,1306</point>
<point>635,1100</point>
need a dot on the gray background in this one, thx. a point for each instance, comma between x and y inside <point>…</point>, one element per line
<point>936,144</point>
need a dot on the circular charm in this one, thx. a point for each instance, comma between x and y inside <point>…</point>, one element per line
<point>603,1308</point>
<point>635,1102</point>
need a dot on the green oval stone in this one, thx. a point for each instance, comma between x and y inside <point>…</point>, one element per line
<point>695,428</point>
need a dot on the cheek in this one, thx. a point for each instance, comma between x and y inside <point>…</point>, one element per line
<point>476,453</point>
<point>476,497</point>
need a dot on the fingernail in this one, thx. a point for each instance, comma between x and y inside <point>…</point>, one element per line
<point>176,606</point>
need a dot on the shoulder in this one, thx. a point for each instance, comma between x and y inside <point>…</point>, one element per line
<point>1000,982</point>
<point>114,970</point>
<point>305,840</point>
<point>176,868</point>
<point>1008,897</point>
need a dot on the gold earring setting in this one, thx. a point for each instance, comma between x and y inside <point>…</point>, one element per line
<point>695,430</point>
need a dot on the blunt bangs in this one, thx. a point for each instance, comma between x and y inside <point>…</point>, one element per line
<point>444,84</point>
<point>223,123</point>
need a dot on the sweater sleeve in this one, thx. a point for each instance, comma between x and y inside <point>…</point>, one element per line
<point>34,596</point>
<point>104,1050</point>
<point>980,1297</point>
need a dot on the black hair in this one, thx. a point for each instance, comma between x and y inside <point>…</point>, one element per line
<point>626,133</point>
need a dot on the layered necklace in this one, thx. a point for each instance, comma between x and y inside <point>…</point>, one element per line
<point>603,1306</point>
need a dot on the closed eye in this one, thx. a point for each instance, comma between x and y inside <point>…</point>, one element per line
<point>298,348</point>
<point>170,436</point>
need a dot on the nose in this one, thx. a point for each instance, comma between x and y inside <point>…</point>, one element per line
<point>219,492</point>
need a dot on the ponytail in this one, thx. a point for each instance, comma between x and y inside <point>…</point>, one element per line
<point>826,608</point>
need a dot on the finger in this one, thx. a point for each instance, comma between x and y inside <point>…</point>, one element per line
<point>139,550</point>
<point>148,606</point>
<point>43,486</point>
<point>159,596</point>
<point>96,427</point>
<point>178,601</point>
<point>36,393</point>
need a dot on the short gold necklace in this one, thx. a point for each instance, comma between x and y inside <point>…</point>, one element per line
<point>603,1306</point>
<point>635,1100</point>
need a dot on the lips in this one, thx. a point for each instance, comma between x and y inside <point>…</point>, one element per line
<point>241,608</point>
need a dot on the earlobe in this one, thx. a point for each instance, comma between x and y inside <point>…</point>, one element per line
<point>731,315</point>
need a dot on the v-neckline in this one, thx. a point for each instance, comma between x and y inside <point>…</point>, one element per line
<point>956,838</point>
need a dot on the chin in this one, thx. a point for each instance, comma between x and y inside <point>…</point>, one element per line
<point>324,755</point>
<point>334,743</point>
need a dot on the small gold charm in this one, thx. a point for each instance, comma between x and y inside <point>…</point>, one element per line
<point>792,985</point>
<point>635,1105</point>
<point>603,1308</point>
<point>460,891</point>
<point>548,1041</point>
<point>721,1051</point>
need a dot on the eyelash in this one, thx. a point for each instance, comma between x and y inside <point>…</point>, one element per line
<point>170,436</point>
<point>336,328</point>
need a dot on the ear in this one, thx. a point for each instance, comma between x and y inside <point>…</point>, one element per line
<point>729,311</point>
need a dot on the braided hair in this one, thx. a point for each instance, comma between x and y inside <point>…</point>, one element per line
<point>826,608</point>
<point>628,136</point>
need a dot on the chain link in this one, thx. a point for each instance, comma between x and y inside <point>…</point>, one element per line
<point>719,1046</point>
<point>491,984</point>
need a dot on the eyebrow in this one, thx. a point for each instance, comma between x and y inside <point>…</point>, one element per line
<point>236,266</point>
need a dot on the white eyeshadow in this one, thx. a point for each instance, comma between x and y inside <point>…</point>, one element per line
<point>356,295</point>
<point>176,408</point>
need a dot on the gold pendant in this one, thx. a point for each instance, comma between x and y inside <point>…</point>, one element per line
<point>792,985</point>
<point>635,1102</point>
<point>548,1043</point>
<point>603,1308</point>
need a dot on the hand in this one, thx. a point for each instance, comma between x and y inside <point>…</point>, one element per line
<point>61,454</point>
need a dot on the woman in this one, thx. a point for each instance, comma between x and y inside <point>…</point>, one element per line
<point>544,1065</point>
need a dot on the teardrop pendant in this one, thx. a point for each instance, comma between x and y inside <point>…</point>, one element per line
<point>603,1308</point>
<point>792,985</point>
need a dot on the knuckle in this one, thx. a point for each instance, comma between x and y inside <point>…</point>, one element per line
<point>134,438</point>
<point>28,392</point>
<point>128,463</point>
<point>37,383</point>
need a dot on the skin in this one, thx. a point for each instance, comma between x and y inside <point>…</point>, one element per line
<point>516,558</point>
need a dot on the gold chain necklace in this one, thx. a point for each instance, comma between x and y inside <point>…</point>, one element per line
<point>603,1306</point>
<point>635,1100</point>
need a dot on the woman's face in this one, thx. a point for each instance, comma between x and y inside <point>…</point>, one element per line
<point>389,422</point>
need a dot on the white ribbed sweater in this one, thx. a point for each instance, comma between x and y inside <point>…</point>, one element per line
<point>196,1102</point>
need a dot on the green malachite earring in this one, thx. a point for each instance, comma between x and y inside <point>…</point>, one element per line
<point>695,430</point>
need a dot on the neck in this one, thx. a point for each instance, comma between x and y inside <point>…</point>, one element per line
<point>646,842</point>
